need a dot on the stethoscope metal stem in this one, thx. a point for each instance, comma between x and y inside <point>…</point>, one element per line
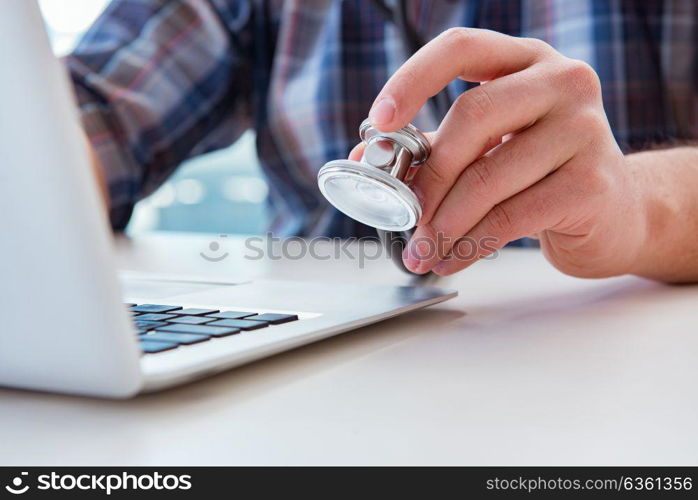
<point>402,165</point>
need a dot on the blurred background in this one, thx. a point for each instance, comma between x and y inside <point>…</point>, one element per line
<point>221,192</point>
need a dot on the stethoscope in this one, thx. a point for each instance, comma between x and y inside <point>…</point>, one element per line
<point>376,190</point>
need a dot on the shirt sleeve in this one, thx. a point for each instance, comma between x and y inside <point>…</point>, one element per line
<point>158,82</point>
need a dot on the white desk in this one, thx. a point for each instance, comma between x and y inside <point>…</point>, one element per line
<point>526,366</point>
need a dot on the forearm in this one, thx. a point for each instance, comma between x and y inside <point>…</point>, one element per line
<point>667,183</point>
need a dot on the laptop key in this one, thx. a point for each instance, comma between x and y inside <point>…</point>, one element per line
<point>191,320</point>
<point>213,331</point>
<point>155,317</point>
<point>242,324</point>
<point>179,338</point>
<point>154,308</point>
<point>195,311</point>
<point>274,319</point>
<point>150,347</point>
<point>149,325</point>
<point>231,315</point>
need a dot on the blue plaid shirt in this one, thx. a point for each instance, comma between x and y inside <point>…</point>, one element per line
<point>161,81</point>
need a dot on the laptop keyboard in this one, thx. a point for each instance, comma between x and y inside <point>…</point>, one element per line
<point>163,328</point>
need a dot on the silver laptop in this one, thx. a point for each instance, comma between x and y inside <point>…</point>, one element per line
<point>69,323</point>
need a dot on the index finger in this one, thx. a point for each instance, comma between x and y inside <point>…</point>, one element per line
<point>471,54</point>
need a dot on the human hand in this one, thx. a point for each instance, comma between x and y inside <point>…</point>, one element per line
<point>527,153</point>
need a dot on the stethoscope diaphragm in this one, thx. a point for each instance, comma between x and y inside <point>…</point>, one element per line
<point>375,191</point>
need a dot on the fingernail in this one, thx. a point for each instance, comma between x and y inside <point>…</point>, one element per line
<point>411,262</point>
<point>416,253</point>
<point>382,112</point>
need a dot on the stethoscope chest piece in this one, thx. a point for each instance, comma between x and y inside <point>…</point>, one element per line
<point>375,190</point>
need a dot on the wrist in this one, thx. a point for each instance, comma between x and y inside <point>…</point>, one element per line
<point>641,214</point>
<point>665,183</point>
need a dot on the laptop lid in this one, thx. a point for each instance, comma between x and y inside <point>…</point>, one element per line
<point>63,326</point>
